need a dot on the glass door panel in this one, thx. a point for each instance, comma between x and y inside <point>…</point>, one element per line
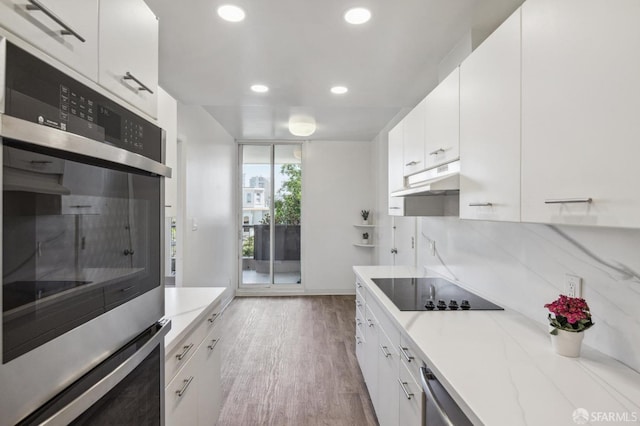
<point>271,193</point>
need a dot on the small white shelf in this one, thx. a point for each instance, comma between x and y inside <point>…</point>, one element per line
<point>363,245</point>
<point>364,226</point>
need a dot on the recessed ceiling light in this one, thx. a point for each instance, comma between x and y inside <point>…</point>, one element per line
<point>231,13</point>
<point>357,15</point>
<point>260,88</point>
<point>339,90</point>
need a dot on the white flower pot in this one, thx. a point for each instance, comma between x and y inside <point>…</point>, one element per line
<point>365,221</point>
<point>365,241</point>
<point>567,343</point>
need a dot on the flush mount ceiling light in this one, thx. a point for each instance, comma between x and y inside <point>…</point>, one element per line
<point>231,13</point>
<point>302,125</point>
<point>357,15</point>
<point>260,88</point>
<point>339,90</point>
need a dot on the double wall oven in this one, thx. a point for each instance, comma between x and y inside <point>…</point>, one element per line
<point>82,282</point>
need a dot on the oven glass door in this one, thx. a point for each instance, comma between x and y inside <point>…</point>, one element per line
<point>79,239</point>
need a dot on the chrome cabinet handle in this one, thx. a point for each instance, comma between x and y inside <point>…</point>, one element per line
<point>185,351</point>
<point>358,304</point>
<point>213,344</point>
<point>358,322</point>
<point>437,151</point>
<point>358,341</point>
<point>186,384</point>
<point>358,285</point>
<point>129,76</point>
<point>412,163</point>
<point>67,30</point>
<point>370,322</point>
<point>394,208</point>
<point>394,251</point>
<point>403,385</point>
<point>425,376</point>
<point>569,200</point>
<point>385,351</point>
<point>213,318</point>
<point>406,354</point>
<point>480,204</point>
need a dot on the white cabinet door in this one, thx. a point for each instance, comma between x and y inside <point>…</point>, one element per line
<point>580,112</point>
<point>490,127</point>
<point>371,354</point>
<point>210,386</point>
<point>129,52</point>
<point>410,399</point>
<point>442,122</point>
<point>396,168</point>
<point>40,29</point>
<point>413,145</point>
<point>388,364</point>
<point>181,397</point>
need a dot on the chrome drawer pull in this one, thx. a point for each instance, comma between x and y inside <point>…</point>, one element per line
<point>358,322</point>
<point>385,351</point>
<point>186,350</point>
<point>213,344</point>
<point>67,30</point>
<point>437,151</point>
<point>480,204</point>
<point>412,163</point>
<point>213,318</point>
<point>405,353</point>
<point>370,323</point>
<point>403,385</point>
<point>129,76</point>
<point>187,382</point>
<point>358,304</point>
<point>569,201</point>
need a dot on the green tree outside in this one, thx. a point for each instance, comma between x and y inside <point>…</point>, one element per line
<point>288,198</point>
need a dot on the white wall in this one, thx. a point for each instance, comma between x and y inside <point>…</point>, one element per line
<point>337,182</point>
<point>209,256</point>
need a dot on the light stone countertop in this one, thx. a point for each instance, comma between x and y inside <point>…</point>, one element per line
<point>185,307</point>
<point>500,368</point>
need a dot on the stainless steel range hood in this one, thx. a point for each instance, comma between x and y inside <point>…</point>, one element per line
<point>442,180</point>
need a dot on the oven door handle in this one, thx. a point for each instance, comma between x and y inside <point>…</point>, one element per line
<point>101,388</point>
<point>425,376</point>
<point>50,138</point>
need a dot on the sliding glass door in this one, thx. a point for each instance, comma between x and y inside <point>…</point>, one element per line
<point>270,191</point>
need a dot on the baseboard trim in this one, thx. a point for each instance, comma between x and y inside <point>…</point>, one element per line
<point>270,292</point>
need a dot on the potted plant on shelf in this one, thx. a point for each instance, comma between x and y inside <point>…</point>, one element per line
<point>365,216</point>
<point>365,238</point>
<point>571,317</point>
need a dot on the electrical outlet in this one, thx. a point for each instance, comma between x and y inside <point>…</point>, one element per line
<point>573,286</point>
<point>432,247</point>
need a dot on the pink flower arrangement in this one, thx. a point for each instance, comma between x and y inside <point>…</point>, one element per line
<point>570,314</point>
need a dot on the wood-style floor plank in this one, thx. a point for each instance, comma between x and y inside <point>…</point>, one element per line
<point>291,361</point>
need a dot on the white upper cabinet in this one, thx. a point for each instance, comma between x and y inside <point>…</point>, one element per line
<point>413,146</point>
<point>128,64</point>
<point>581,112</point>
<point>396,170</point>
<point>490,127</point>
<point>442,122</point>
<point>67,30</point>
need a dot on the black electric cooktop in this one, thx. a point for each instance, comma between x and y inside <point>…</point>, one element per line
<point>432,294</point>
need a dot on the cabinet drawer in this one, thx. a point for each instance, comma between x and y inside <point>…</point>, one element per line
<point>209,387</point>
<point>411,399</point>
<point>181,395</point>
<point>183,352</point>
<point>410,358</point>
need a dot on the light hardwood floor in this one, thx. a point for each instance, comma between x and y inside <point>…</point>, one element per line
<point>291,361</point>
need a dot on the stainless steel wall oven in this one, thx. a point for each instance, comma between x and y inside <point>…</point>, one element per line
<point>82,215</point>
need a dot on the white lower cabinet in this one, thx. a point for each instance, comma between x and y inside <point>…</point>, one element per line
<point>410,397</point>
<point>391,380</point>
<point>192,370</point>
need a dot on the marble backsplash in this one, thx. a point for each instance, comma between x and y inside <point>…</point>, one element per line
<point>523,266</point>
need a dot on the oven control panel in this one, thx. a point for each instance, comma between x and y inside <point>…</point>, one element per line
<point>38,92</point>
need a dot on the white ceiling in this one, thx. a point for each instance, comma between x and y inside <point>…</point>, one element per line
<point>300,48</point>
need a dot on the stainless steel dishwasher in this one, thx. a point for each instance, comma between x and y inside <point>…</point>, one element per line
<point>440,409</point>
